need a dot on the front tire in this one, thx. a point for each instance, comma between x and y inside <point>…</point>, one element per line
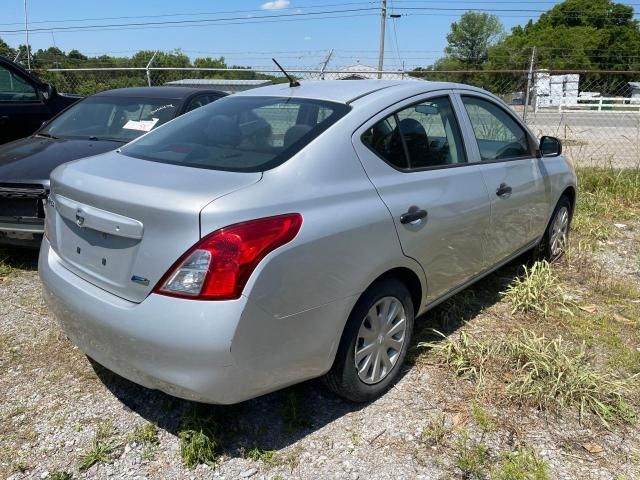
<point>556,237</point>
<point>374,343</point>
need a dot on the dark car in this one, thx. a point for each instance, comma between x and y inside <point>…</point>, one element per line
<point>26,102</point>
<point>94,125</point>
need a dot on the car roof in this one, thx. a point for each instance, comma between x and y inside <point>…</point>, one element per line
<point>348,91</point>
<point>157,92</point>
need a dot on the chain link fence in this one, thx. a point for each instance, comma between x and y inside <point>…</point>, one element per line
<point>596,114</point>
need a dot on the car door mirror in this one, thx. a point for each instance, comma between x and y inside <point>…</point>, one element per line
<point>49,92</point>
<point>550,146</point>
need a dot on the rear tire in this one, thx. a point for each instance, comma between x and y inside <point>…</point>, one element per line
<point>556,237</point>
<point>374,343</point>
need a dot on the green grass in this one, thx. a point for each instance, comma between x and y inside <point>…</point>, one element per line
<point>482,418</point>
<point>471,457</point>
<point>100,451</point>
<point>466,356</point>
<point>435,431</point>
<point>146,434</point>
<point>523,464</point>
<point>294,413</point>
<point>60,475</point>
<point>199,440</point>
<point>260,455</point>
<point>553,375</point>
<point>605,196</point>
<point>538,291</point>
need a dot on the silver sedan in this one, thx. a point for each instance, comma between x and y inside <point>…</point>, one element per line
<point>292,232</point>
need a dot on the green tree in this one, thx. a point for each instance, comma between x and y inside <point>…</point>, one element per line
<point>470,38</point>
<point>6,50</point>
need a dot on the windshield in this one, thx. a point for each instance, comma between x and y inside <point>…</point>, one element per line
<point>111,118</point>
<point>241,134</point>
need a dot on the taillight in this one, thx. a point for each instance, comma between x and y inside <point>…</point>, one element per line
<point>219,265</point>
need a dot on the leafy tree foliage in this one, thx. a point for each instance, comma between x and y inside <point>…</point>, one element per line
<point>470,38</point>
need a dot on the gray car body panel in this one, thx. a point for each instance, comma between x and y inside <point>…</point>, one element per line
<point>286,326</point>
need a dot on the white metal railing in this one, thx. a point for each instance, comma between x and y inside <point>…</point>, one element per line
<point>599,104</point>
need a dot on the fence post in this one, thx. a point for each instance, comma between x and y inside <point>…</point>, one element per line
<point>529,80</point>
<point>149,67</point>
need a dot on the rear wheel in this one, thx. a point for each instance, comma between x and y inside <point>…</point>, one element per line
<point>374,343</point>
<point>556,237</point>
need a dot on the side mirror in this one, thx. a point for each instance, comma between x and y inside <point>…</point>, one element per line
<point>550,146</point>
<point>49,92</point>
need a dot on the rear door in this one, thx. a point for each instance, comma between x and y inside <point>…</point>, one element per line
<point>415,156</point>
<point>22,109</point>
<point>507,154</point>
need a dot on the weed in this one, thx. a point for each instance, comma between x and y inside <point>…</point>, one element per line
<point>293,412</point>
<point>60,475</point>
<point>538,291</point>
<point>99,452</point>
<point>105,430</point>
<point>199,441</point>
<point>466,356</point>
<point>146,434</point>
<point>482,419</point>
<point>552,375</point>
<point>435,431</point>
<point>521,465</point>
<point>355,439</point>
<point>259,455</point>
<point>471,457</point>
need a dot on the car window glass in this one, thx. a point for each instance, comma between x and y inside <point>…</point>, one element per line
<point>200,101</point>
<point>15,89</point>
<point>239,133</point>
<point>431,134</point>
<point>112,118</point>
<point>383,138</point>
<point>499,136</point>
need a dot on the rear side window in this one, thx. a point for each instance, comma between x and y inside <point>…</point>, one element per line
<point>420,136</point>
<point>236,133</point>
<point>499,136</point>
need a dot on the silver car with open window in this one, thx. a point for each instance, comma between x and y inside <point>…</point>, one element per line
<point>292,232</point>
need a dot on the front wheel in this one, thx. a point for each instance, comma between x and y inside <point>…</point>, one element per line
<point>374,343</point>
<point>556,237</point>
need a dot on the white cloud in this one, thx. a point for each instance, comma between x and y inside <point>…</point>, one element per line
<point>276,5</point>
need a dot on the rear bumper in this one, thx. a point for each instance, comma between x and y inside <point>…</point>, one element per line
<point>214,352</point>
<point>21,234</point>
<point>162,343</point>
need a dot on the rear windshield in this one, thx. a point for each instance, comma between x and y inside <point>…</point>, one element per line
<point>120,119</point>
<point>240,134</point>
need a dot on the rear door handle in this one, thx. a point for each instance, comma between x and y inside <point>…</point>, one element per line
<point>414,216</point>
<point>504,190</point>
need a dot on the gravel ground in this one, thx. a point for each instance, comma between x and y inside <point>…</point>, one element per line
<point>54,401</point>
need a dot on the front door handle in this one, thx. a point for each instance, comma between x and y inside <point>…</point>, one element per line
<point>504,190</point>
<point>414,216</point>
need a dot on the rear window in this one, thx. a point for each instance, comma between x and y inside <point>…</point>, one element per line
<point>241,134</point>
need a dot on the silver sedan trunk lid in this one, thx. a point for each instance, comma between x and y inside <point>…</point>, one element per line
<point>120,222</point>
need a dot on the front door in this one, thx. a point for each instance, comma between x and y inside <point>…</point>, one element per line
<point>511,172</point>
<point>415,157</point>
<point>22,110</point>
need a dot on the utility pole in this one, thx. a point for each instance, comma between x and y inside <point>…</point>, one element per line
<point>383,21</point>
<point>325,63</point>
<point>26,30</point>
<point>149,67</point>
<point>529,81</point>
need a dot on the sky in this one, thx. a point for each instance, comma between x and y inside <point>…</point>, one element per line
<point>417,38</point>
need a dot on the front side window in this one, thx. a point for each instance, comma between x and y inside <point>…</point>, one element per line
<point>112,118</point>
<point>420,136</point>
<point>499,136</point>
<point>238,133</point>
<point>15,89</point>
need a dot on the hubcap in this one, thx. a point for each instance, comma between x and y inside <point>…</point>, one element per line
<point>380,340</point>
<point>559,231</point>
